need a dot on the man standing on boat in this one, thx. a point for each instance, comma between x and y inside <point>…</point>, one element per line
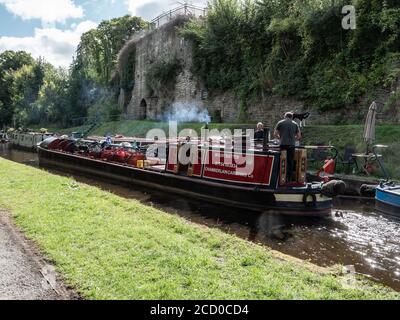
<point>288,131</point>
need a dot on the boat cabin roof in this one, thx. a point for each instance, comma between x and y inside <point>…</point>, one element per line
<point>393,189</point>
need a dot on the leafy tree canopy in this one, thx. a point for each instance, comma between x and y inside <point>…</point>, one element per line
<point>297,48</point>
<point>34,92</point>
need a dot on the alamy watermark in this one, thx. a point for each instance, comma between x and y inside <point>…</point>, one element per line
<point>349,22</point>
<point>216,147</point>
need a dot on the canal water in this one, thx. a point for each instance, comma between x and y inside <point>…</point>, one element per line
<point>356,234</point>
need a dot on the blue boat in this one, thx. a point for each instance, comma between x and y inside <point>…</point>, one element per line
<point>388,198</point>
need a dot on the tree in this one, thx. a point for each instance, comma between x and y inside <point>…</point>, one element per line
<point>52,103</point>
<point>98,49</point>
<point>297,48</point>
<point>92,71</point>
<point>11,62</point>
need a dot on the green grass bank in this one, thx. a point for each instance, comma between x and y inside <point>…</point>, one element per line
<point>339,136</point>
<point>108,247</point>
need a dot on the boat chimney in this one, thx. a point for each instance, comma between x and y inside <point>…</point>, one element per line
<point>246,142</point>
<point>242,140</point>
<point>205,132</point>
<point>266,139</point>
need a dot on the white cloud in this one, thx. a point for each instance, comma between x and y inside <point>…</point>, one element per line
<point>133,5</point>
<point>150,9</point>
<point>46,10</point>
<point>55,45</point>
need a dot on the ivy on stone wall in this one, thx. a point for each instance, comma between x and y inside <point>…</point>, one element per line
<point>297,48</point>
<point>161,76</point>
<point>127,76</point>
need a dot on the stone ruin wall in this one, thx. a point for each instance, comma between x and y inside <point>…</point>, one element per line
<point>166,43</point>
<point>163,43</point>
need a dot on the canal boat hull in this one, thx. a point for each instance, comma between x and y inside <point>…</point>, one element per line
<point>388,199</point>
<point>289,201</point>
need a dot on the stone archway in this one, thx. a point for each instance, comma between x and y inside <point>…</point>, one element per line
<point>143,110</point>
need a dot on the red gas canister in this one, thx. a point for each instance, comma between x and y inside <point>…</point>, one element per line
<point>329,167</point>
<point>327,170</point>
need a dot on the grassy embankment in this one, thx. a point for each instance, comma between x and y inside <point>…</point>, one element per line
<point>108,247</point>
<point>339,136</point>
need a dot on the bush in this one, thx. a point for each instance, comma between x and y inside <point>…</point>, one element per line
<point>162,75</point>
<point>297,48</point>
<point>105,108</point>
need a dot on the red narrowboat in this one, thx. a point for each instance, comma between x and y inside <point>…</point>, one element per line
<point>213,173</point>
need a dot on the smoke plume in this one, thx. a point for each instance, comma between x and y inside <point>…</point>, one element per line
<point>186,112</point>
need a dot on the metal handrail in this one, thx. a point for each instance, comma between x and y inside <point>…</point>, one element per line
<point>157,22</point>
<point>184,10</point>
<point>336,154</point>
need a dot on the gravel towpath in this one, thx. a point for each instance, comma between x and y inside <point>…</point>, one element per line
<point>24,274</point>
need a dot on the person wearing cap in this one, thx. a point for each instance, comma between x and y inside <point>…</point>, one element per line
<point>288,131</point>
<point>259,133</point>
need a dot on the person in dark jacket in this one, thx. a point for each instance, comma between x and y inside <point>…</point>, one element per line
<point>259,133</point>
<point>288,131</point>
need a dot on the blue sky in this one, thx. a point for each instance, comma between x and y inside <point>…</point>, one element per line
<point>52,28</point>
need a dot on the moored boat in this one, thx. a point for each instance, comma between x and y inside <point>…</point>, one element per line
<point>3,137</point>
<point>28,140</point>
<point>213,173</point>
<point>388,198</point>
